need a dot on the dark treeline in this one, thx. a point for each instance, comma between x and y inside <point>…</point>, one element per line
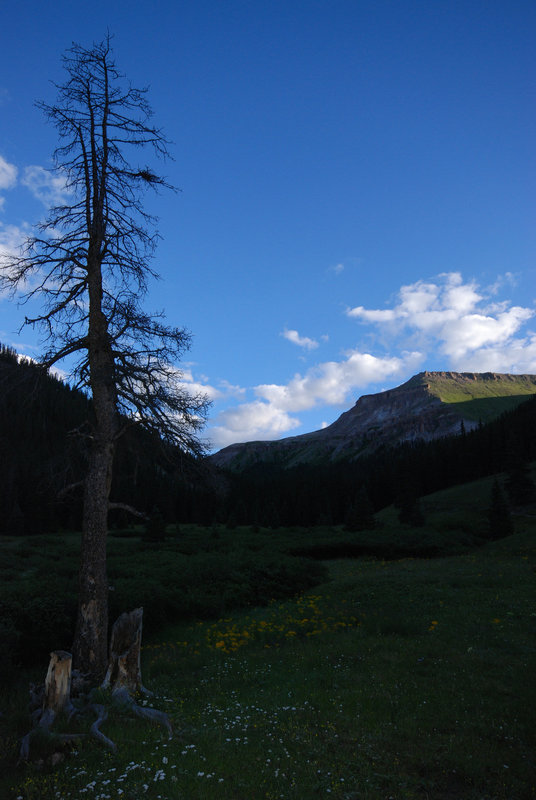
<point>332,493</point>
<point>43,437</point>
<point>44,433</point>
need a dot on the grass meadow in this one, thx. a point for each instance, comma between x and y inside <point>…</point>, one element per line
<point>389,680</point>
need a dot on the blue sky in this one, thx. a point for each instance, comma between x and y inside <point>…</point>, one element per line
<point>357,188</point>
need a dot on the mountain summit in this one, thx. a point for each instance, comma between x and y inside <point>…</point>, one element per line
<point>428,406</point>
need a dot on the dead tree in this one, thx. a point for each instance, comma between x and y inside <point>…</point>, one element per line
<point>90,264</point>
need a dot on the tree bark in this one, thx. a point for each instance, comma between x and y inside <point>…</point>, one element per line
<point>91,636</point>
<point>124,669</point>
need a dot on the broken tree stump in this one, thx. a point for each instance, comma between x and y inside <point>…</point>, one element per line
<point>54,699</point>
<point>124,669</point>
<point>57,699</point>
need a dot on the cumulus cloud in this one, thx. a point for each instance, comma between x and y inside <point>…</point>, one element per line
<point>8,177</point>
<point>251,421</point>
<point>11,238</point>
<point>459,317</point>
<point>200,384</point>
<point>301,341</point>
<point>48,186</point>
<point>330,383</point>
<point>8,174</point>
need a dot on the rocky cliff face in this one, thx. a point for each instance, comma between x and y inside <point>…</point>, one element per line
<point>415,410</point>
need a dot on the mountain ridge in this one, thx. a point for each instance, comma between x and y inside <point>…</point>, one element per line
<point>428,406</point>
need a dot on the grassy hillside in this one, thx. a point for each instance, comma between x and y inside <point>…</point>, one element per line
<point>484,396</point>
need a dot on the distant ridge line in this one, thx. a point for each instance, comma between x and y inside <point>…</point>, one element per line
<point>430,405</point>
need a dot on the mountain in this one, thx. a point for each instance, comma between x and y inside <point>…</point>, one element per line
<point>431,405</point>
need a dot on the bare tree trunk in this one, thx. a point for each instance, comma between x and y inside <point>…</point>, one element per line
<point>91,636</point>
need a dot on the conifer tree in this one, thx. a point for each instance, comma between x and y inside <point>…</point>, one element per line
<point>499,519</point>
<point>360,516</point>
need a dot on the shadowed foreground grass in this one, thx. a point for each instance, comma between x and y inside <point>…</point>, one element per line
<point>407,679</point>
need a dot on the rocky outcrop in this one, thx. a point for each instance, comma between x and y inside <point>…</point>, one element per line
<point>428,406</point>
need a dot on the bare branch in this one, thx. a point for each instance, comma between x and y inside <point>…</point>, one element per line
<point>130,509</point>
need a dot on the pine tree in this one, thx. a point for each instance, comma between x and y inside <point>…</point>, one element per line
<point>360,516</point>
<point>499,518</point>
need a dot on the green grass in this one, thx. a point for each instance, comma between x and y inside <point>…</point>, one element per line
<point>400,679</point>
<point>484,399</point>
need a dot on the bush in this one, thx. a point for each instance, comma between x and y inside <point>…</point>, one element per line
<point>207,585</point>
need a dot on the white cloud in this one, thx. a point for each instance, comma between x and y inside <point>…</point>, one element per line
<point>251,421</point>
<point>337,268</point>
<point>184,377</point>
<point>11,238</point>
<point>201,385</point>
<point>48,186</point>
<point>330,383</point>
<point>518,356</point>
<point>301,341</point>
<point>8,177</point>
<point>372,315</point>
<point>231,390</point>
<point>459,317</point>
<point>8,174</point>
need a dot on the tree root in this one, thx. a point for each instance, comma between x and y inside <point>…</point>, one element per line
<point>123,678</point>
<point>152,714</point>
<point>102,716</point>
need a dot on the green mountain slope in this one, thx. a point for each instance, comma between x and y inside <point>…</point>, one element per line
<point>431,405</point>
<point>484,395</point>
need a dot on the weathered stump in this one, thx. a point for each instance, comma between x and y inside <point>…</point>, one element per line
<point>57,699</point>
<point>124,669</point>
<point>51,700</point>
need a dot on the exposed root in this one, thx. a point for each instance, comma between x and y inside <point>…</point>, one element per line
<point>102,716</point>
<point>151,714</point>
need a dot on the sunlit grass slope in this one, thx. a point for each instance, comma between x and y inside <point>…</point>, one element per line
<point>484,395</point>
